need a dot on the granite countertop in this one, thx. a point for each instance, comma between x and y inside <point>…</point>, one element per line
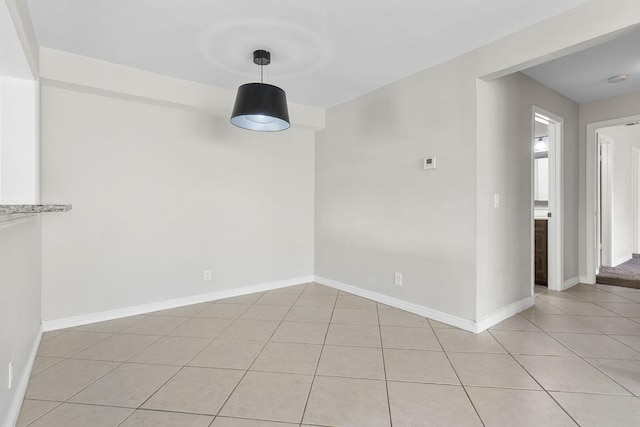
<point>15,209</point>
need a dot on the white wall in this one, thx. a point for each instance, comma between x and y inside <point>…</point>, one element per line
<point>378,212</point>
<point>19,134</point>
<point>19,308</point>
<point>19,141</point>
<point>181,191</point>
<point>505,245</point>
<point>160,194</point>
<point>20,235</point>
<point>624,138</point>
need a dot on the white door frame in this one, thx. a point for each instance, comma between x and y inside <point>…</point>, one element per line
<point>556,208</point>
<point>591,212</point>
<point>635,198</point>
<point>604,207</point>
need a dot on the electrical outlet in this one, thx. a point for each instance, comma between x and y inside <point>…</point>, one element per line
<point>496,200</point>
<point>10,375</point>
<point>398,279</point>
<point>207,276</point>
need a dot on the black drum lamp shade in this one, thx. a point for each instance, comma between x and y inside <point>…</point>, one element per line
<point>259,106</point>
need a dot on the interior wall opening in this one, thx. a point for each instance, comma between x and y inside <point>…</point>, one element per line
<point>547,199</point>
<point>617,223</point>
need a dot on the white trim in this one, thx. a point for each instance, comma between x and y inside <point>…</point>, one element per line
<point>590,197</point>
<point>21,387</point>
<point>585,279</point>
<point>556,200</point>
<point>468,325</point>
<point>458,322</point>
<point>635,188</point>
<point>606,192</point>
<point>503,313</point>
<point>570,283</point>
<point>85,319</point>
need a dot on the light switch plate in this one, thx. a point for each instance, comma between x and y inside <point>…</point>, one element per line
<point>398,278</point>
<point>429,162</point>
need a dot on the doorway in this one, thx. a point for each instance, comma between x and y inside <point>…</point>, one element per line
<point>618,259</point>
<point>613,227</point>
<point>635,198</point>
<point>547,196</point>
<point>604,181</point>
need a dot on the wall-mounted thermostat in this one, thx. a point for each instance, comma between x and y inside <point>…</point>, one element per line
<point>429,162</point>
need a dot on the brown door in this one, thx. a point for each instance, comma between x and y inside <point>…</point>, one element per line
<point>540,255</point>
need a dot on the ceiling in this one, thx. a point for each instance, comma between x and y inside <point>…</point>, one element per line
<point>323,52</point>
<point>582,76</point>
<point>540,129</point>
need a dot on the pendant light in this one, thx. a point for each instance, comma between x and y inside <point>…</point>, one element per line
<point>259,106</point>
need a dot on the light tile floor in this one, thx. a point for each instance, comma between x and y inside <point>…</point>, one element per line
<point>310,355</point>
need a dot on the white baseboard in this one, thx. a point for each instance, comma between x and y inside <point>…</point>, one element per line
<point>458,322</point>
<point>585,279</point>
<point>503,313</point>
<point>21,386</point>
<point>468,325</point>
<point>85,319</point>
<point>570,283</point>
<point>420,310</point>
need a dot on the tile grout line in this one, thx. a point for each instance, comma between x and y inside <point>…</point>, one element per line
<point>258,355</point>
<point>162,385</point>
<point>217,335</point>
<point>586,360</point>
<point>537,382</point>
<point>62,359</point>
<point>168,379</point>
<point>384,366</point>
<point>313,380</point>
<point>473,405</point>
<point>547,392</point>
<point>330,322</point>
<point>601,333</point>
<point>110,334</point>
<point>42,415</point>
<point>180,367</point>
<point>246,371</point>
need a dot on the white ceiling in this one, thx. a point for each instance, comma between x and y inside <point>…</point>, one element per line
<point>583,75</point>
<point>323,52</point>
<point>540,129</point>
